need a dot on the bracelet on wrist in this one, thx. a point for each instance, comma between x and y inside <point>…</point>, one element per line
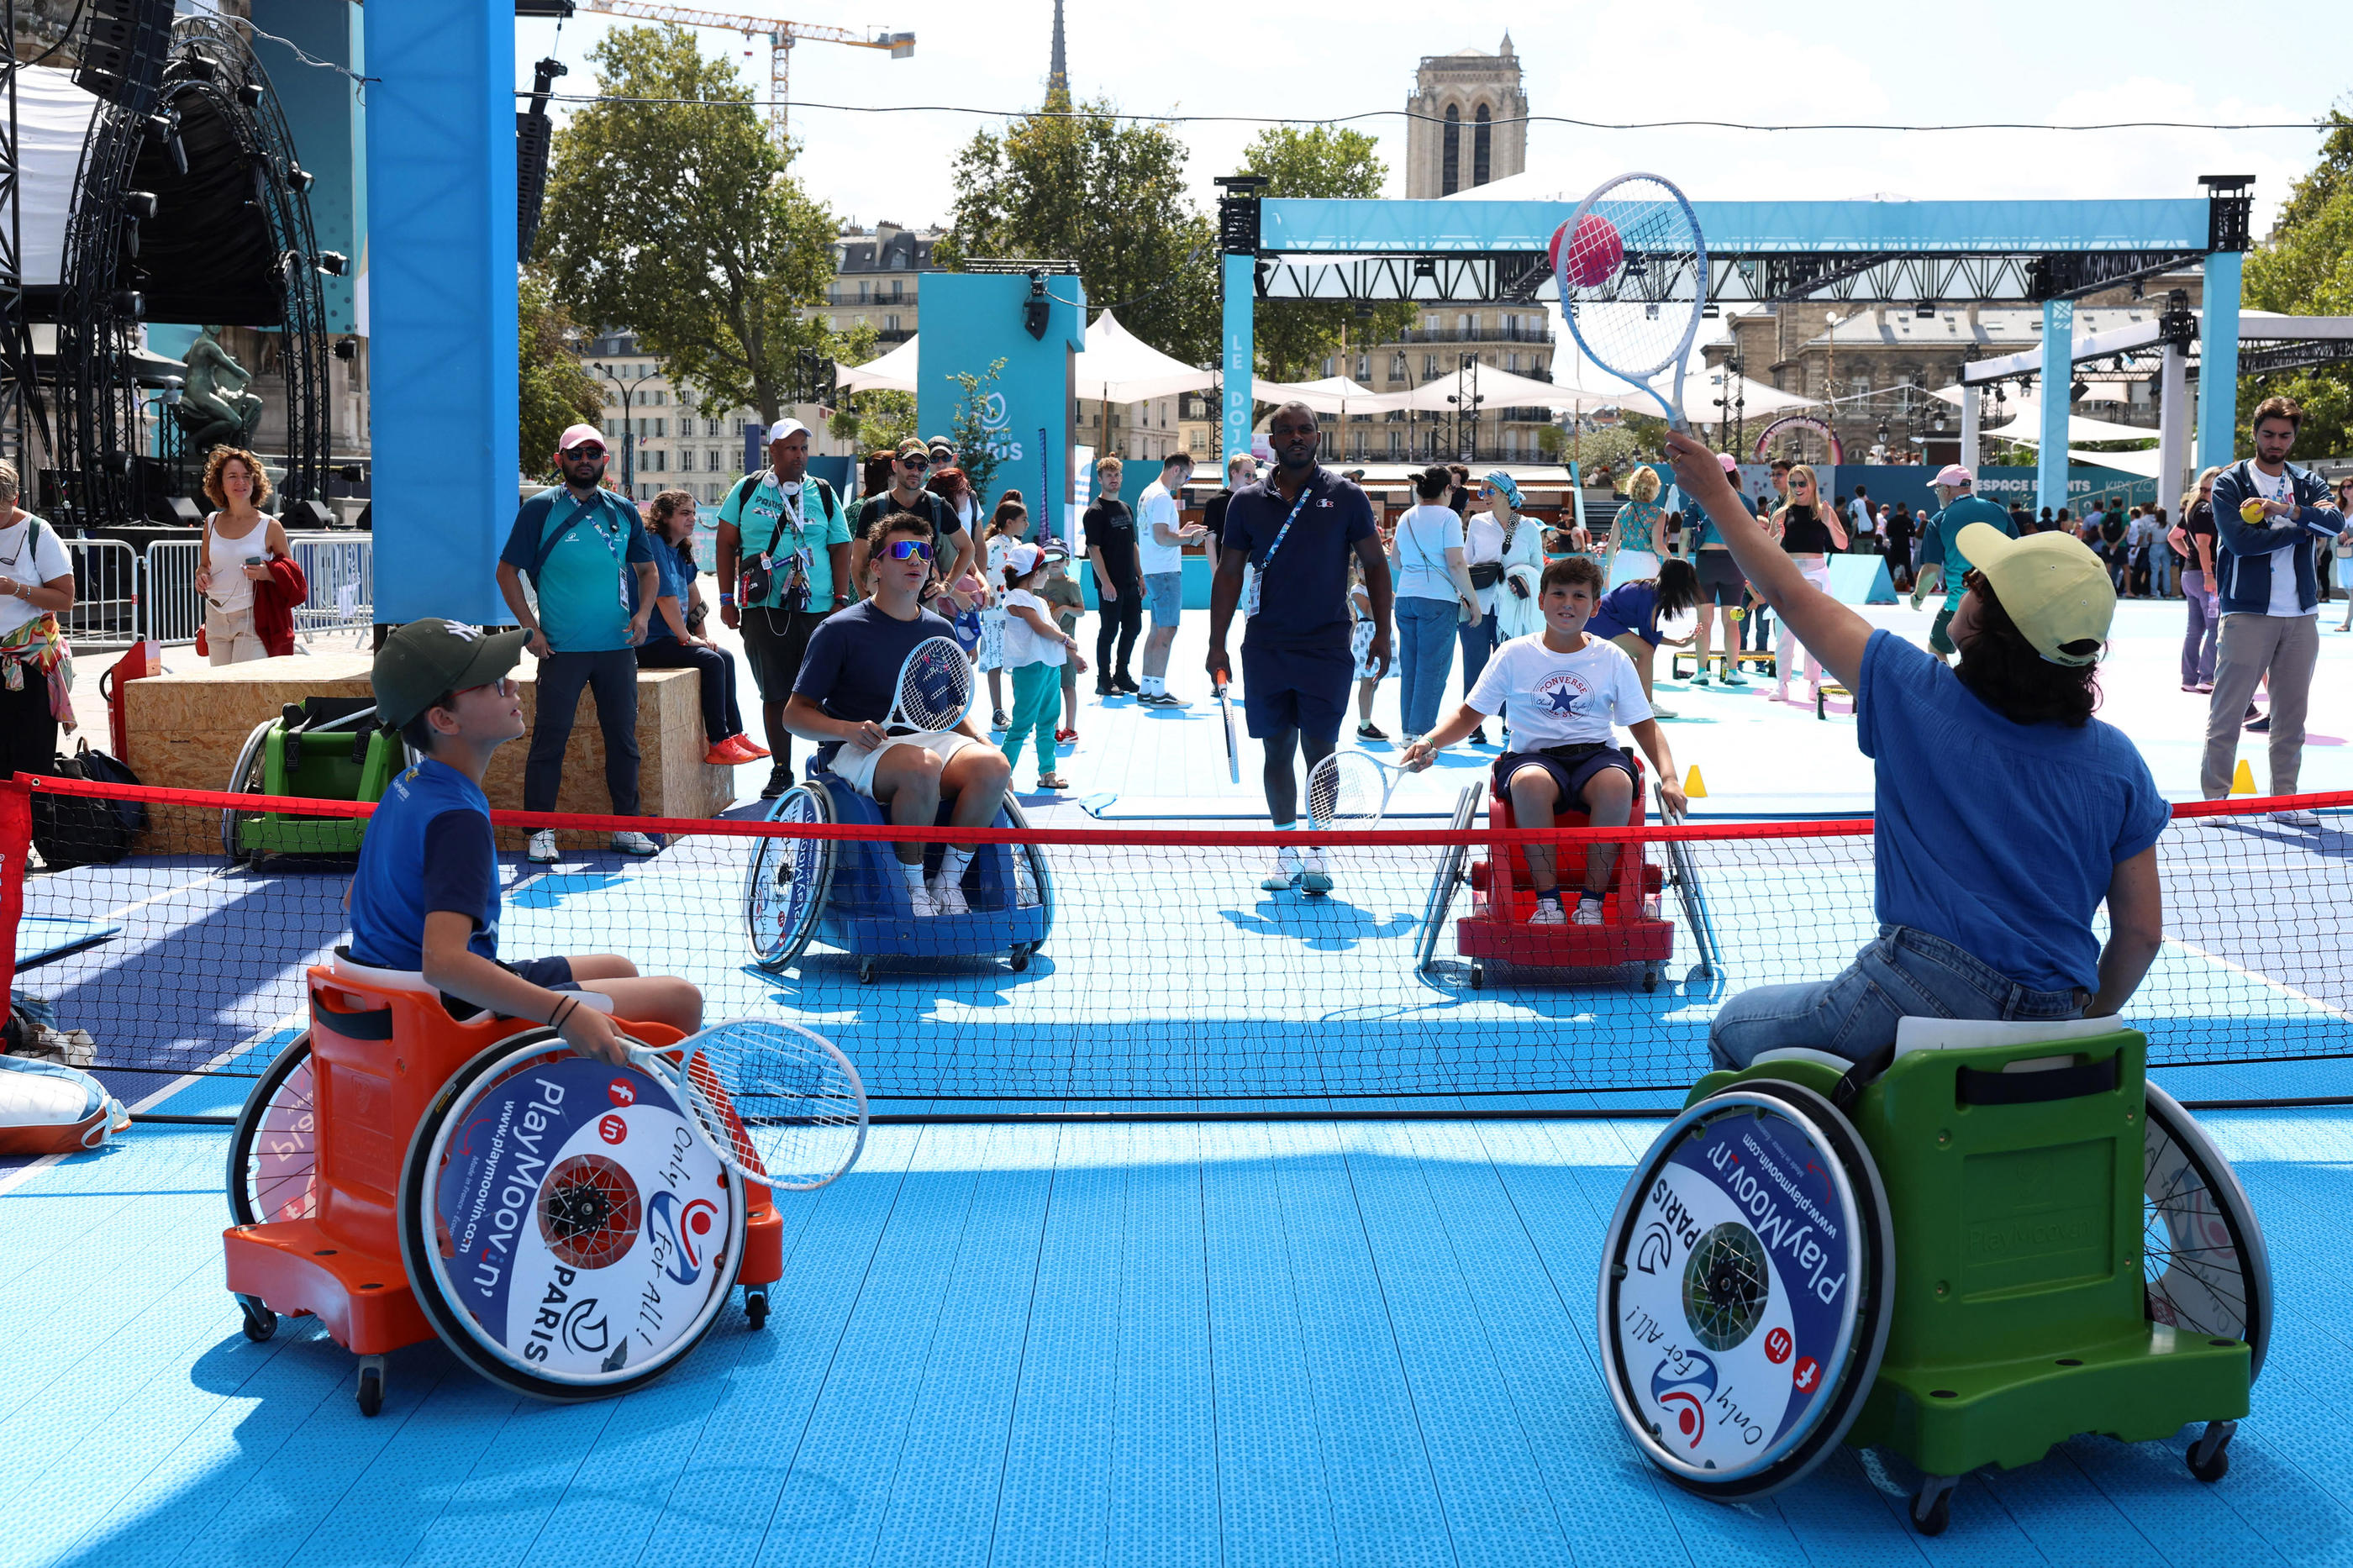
<point>726,598</point>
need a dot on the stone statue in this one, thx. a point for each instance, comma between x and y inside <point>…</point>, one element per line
<point>215,408</point>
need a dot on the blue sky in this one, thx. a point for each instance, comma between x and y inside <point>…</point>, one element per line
<point>1829,60</point>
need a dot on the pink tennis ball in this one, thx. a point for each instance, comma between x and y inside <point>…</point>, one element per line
<point>1593,253</point>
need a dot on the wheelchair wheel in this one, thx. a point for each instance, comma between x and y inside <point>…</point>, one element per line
<point>246,778</point>
<point>566,1233</point>
<point>1450,876</point>
<point>272,1171</point>
<point>2209,1271</point>
<point>790,879</point>
<point>1745,1291</point>
<point>1033,884</point>
<point>1683,867</point>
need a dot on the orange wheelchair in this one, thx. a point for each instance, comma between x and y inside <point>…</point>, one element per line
<point>1496,929</point>
<point>402,1175</point>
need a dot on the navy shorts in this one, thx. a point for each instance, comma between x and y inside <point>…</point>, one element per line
<point>1301,689</point>
<point>1571,767</point>
<point>1720,578</point>
<point>548,974</point>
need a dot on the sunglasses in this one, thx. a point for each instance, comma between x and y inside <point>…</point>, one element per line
<point>910,549</point>
<point>914,462</point>
<point>587,449</point>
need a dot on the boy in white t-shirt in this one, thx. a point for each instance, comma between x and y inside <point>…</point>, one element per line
<point>1562,693</point>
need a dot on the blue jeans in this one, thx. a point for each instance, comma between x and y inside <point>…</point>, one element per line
<point>1478,641</point>
<point>1426,633</point>
<point>2198,637</point>
<point>1906,973</point>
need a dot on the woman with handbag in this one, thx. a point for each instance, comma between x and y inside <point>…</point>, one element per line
<point>37,585</point>
<point>1434,597</point>
<point>674,640</point>
<point>240,541</point>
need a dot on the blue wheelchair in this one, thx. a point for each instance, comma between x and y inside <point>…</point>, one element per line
<point>850,894</point>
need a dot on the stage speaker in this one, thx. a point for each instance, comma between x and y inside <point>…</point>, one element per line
<point>306,517</point>
<point>123,48</point>
<point>179,510</point>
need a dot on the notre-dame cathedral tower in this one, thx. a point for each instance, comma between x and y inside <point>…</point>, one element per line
<point>1470,124</point>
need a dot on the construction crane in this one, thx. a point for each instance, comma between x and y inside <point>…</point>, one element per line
<point>781,37</point>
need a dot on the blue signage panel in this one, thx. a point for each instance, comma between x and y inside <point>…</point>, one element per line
<point>970,321</point>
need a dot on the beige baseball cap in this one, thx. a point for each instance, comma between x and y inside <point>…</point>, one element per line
<point>2053,587</point>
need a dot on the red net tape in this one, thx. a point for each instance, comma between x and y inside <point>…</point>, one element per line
<point>1107,967</point>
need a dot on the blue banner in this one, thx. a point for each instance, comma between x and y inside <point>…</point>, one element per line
<point>970,321</point>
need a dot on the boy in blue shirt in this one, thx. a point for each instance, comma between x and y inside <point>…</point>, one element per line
<point>426,896</point>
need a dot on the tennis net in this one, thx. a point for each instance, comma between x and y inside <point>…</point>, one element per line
<point>1164,978</point>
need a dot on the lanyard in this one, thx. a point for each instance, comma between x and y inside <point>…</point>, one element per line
<point>1304,491</point>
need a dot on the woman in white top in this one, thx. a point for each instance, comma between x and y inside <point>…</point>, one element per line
<point>1434,597</point>
<point>37,586</point>
<point>239,540</point>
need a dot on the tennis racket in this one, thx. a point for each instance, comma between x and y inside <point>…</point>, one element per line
<point>1632,270</point>
<point>777,1104</point>
<point>935,689</point>
<point>1233,755</point>
<point>1349,789</point>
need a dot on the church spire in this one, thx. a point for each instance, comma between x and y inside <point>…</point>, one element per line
<point>1058,75</point>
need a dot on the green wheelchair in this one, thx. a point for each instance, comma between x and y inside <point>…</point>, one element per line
<point>1995,1239</point>
<point>321,748</point>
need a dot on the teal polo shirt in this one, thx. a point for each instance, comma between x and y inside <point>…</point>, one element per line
<point>824,524</point>
<point>1941,545</point>
<point>585,586</point>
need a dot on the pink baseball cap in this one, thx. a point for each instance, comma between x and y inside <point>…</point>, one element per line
<point>1952,476</point>
<point>576,433</point>
<point>1731,463</point>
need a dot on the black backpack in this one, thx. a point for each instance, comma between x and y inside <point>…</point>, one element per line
<point>77,830</point>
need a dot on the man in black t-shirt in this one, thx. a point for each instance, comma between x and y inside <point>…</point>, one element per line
<point>1111,551</point>
<point>908,467</point>
<point>1241,469</point>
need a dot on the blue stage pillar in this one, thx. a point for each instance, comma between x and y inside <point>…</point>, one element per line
<point>975,319</point>
<point>2218,361</point>
<point>441,304</point>
<point>1241,352</point>
<point>2057,377</point>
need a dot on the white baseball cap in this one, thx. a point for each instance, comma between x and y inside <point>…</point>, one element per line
<point>1952,476</point>
<point>785,427</point>
<point>1023,559</point>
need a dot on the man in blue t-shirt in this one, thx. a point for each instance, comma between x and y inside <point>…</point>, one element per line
<point>848,682</point>
<point>583,547</point>
<point>2005,814</point>
<point>426,896</point>
<point>1941,560</point>
<point>1298,528</point>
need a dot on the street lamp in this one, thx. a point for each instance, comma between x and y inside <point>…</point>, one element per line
<point>628,396</point>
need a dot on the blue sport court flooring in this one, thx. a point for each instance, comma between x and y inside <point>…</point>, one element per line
<point>1281,1344</point>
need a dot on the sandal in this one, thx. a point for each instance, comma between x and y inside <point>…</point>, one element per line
<point>1052,782</point>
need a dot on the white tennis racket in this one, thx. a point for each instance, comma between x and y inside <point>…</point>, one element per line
<point>777,1104</point>
<point>1349,789</point>
<point>1632,270</point>
<point>935,689</point>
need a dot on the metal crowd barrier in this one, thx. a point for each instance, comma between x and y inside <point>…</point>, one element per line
<point>122,596</point>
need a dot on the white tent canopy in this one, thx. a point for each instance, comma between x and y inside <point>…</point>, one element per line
<point>894,372</point>
<point>1494,388</point>
<point>1703,386</point>
<point>2027,425</point>
<point>1117,366</point>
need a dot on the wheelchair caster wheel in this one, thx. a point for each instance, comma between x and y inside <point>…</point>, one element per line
<point>1650,978</point>
<point>371,1385</point>
<point>1019,959</point>
<point>1478,977</point>
<point>866,972</point>
<point>755,1306</point>
<point>2208,1457</point>
<point>1932,1506</point>
<point>260,1322</point>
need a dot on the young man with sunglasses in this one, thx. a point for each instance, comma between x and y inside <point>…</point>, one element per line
<point>844,692</point>
<point>584,548</point>
<point>909,465</point>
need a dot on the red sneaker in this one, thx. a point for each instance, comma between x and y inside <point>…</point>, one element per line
<point>752,750</point>
<point>722,755</point>
<point>1065,737</point>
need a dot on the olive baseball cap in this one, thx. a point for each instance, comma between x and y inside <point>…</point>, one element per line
<point>2054,589</point>
<point>422,659</point>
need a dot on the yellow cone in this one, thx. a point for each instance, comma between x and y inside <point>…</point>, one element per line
<point>1694,787</point>
<point>2243,781</point>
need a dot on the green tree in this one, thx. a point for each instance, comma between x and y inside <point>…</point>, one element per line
<point>1108,195</point>
<point>1294,336</point>
<point>555,389</point>
<point>977,444</point>
<point>678,221</point>
<point>2306,268</point>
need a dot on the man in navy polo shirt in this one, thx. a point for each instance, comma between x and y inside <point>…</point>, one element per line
<point>582,545</point>
<point>1299,526</point>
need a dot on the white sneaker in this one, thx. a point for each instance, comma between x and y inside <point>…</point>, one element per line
<point>1286,870</point>
<point>1548,913</point>
<point>632,843</point>
<point>542,846</point>
<point>2307,820</point>
<point>1313,878</point>
<point>1589,913</point>
<point>947,896</point>
<point>919,896</point>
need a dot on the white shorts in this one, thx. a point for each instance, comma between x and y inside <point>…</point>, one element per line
<point>855,764</point>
